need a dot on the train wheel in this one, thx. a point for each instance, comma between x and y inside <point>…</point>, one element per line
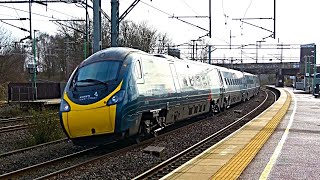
<point>228,103</point>
<point>215,109</point>
<point>144,131</point>
<point>243,99</point>
<point>224,105</point>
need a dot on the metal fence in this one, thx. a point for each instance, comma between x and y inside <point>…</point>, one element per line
<point>26,92</point>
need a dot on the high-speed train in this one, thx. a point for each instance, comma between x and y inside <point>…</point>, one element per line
<point>120,92</point>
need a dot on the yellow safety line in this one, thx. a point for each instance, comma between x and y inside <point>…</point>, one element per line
<point>234,168</point>
<point>272,161</point>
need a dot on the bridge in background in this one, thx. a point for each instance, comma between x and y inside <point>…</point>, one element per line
<point>287,68</point>
<point>279,69</point>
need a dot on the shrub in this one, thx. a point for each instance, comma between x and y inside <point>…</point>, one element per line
<point>3,91</point>
<point>45,127</point>
<point>11,111</point>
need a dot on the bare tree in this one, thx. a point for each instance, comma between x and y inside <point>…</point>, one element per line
<point>12,58</point>
<point>139,36</point>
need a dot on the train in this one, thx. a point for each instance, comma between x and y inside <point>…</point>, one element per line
<point>122,92</point>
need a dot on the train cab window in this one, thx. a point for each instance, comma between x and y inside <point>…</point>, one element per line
<point>137,70</point>
<point>97,73</point>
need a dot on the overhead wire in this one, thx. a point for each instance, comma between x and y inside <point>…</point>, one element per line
<point>189,6</point>
<point>59,12</point>
<point>247,9</point>
<point>19,17</point>
<point>245,13</point>
<point>156,8</point>
<point>28,12</point>
<point>224,14</point>
<point>8,15</point>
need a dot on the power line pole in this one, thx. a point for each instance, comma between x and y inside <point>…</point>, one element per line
<point>274,19</point>
<point>116,19</point>
<point>97,45</point>
<point>30,1</point>
<point>87,31</point>
<point>209,31</point>
<point>114,22</point>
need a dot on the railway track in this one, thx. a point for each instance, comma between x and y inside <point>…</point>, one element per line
<point>14,119</point>
<point>14,128</point>
<point>171,164</point>
<point>31,147</point>
<point>93,154</point>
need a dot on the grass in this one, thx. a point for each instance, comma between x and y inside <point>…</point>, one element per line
<point>12,111</point>
<point>45,128</point>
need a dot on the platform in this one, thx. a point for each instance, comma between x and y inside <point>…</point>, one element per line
<point>257,151</point>
<point>37,104</point>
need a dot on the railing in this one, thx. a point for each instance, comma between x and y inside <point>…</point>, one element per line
<point>21,93</point>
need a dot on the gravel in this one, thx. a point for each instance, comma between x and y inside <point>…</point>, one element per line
<point>37,155</point>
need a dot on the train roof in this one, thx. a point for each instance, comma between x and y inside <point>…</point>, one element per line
<point>113,53</point>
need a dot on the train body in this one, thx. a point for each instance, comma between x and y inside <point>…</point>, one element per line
<point>120,92</point>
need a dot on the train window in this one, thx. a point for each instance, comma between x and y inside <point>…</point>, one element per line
<point>138,70</point>
<point>102,71</point>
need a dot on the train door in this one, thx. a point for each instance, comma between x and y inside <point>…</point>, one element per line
<point>175,78</point>
<point>222,89</point>
<point>174,112</point>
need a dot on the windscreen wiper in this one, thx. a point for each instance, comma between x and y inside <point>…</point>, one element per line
<point>94,80</point>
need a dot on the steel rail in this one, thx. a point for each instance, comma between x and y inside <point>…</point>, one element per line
<point>15,119</point>
<point>9,153</point>
<point>14,128</point>
<point>15,174</point>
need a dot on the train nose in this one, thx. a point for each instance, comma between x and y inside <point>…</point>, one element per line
<point>91,121</point>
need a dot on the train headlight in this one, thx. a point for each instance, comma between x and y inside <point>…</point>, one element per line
<point>117,98</point>
<point>64,106</point>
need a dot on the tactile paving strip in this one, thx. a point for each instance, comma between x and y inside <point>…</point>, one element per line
<point>234,168</point>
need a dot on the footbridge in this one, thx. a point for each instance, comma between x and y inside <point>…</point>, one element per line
<point>285,68</point>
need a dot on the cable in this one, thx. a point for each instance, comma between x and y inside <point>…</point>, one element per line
<point>9,15</point>
<point>247,9</point>
<point>59,12</point>
<point>157,9</point>
<point>224,14</point>
<point>189,7</point>
<point>28,12</point>
<point>19,17</point>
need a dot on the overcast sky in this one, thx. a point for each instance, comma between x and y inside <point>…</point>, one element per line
<point>296,21</point>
